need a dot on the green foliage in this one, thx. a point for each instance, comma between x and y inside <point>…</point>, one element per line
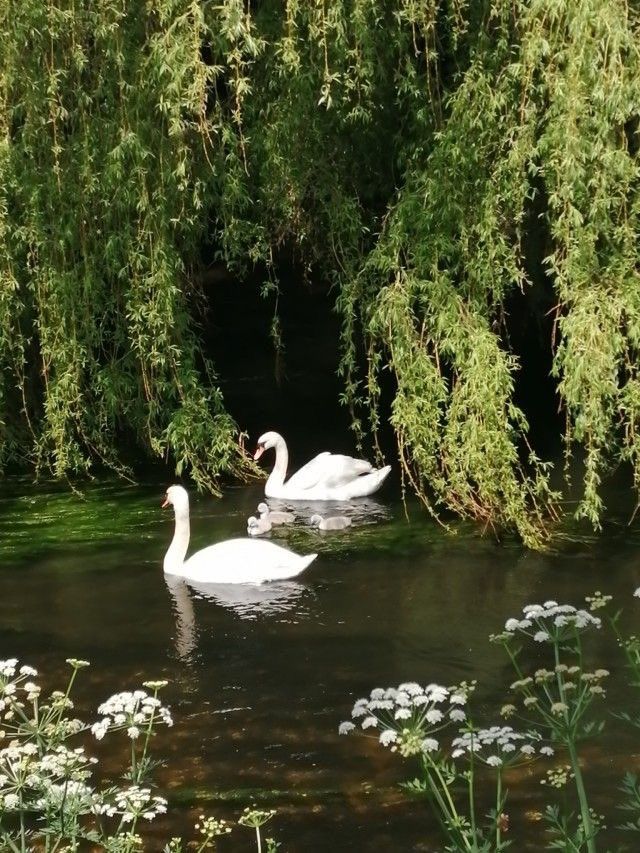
<point>556,710</point>
<point>402,147</point>
<point>53,795</point>
<point>105,184</point>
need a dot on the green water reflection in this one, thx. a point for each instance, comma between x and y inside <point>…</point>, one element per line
<point>260,679</point>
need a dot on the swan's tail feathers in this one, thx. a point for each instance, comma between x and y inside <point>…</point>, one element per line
<point>293,569</point>
<point>367,484</point>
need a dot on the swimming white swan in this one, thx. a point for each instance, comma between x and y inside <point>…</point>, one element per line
<point>328,477</point>
<point>275,516</point>
<point>332,522</point>
<point>258,526</point>
<point>232,561</point>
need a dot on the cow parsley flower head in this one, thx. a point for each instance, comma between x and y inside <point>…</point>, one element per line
<point>388,737</point>
<point>496,746</point>
<point>12,681</point>
<point>63,763</point>
<point>8,667</point>
<point>132,803</point>
<point>551,622</point>
<point>210,827</point>
<point>131,711</point>
<point>408,716</point>
<point>73,795</point>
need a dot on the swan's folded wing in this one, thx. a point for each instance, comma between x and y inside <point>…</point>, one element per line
<point>311,474</point>
<point>330,470</point>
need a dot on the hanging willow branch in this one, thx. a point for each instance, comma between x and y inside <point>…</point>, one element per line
<point>105,183</point>
<point>400,146</point>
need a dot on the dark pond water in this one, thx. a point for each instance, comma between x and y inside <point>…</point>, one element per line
<point>261,677</point>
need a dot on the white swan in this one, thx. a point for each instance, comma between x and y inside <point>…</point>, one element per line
<point>275,516</point>
<point>232,561</point>
<point>328,477</point>
<point>332,522</point>
<point>258,526</point>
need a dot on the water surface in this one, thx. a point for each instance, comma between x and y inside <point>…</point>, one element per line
<point>260,677</point>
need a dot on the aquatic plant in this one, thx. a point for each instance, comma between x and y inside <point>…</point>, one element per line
<point>48,793</point>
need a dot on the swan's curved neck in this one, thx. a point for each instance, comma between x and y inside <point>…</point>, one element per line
<point>276,477</point>
<point>174,558</point>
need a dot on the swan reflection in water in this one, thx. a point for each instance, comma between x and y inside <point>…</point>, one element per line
<point>361,511</point>
<point>248,601</point>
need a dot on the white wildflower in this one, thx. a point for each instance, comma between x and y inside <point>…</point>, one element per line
<point>388,736</point>
<point>411,688</point>
<point>402,714</point>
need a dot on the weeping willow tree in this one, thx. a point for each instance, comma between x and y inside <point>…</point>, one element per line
<point>401,147</point>
<point>107,168</point>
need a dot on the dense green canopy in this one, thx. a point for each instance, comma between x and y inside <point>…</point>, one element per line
<point>403,147</point>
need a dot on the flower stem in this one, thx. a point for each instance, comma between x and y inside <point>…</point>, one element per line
<point>587,824</point>
<point>472,805</point>
<point>498,809</point>
<point>445,803</point>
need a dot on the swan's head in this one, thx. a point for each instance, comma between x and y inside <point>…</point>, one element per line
<point>263,508</point>
<point>315,520</point>
<point>178,498</point>
<point>265,442</point>
<point>252,521</point>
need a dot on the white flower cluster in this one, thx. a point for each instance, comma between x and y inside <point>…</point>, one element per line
<point>18,774</point>
<point>498,745</point>
<point>211,827</point>
<point>407,716</point>
<point>13,679</point>
<point>65,763</point>
<point>135,711</point>
<point>551,621</point>
<point>132,803</point>
<point>69,795</point>
<point>26,776</point>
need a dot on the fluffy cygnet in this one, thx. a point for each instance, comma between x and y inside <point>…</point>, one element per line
<point>258,526</point>
<point>332,522</point>
<point>274,516</point>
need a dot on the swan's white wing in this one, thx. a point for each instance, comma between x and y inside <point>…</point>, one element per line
<point>330,470</point>
<point>310,474</point>
<point>244,561</point>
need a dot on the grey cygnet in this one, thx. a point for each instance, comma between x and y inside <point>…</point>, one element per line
<point>275,517</point>
<point>333,522</point>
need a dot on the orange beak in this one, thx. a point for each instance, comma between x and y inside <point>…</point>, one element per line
<point>165,502</point>
<point>258,453</point>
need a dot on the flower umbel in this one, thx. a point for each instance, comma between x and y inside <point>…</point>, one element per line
<point>408,716</point>
<point>131,711</point>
